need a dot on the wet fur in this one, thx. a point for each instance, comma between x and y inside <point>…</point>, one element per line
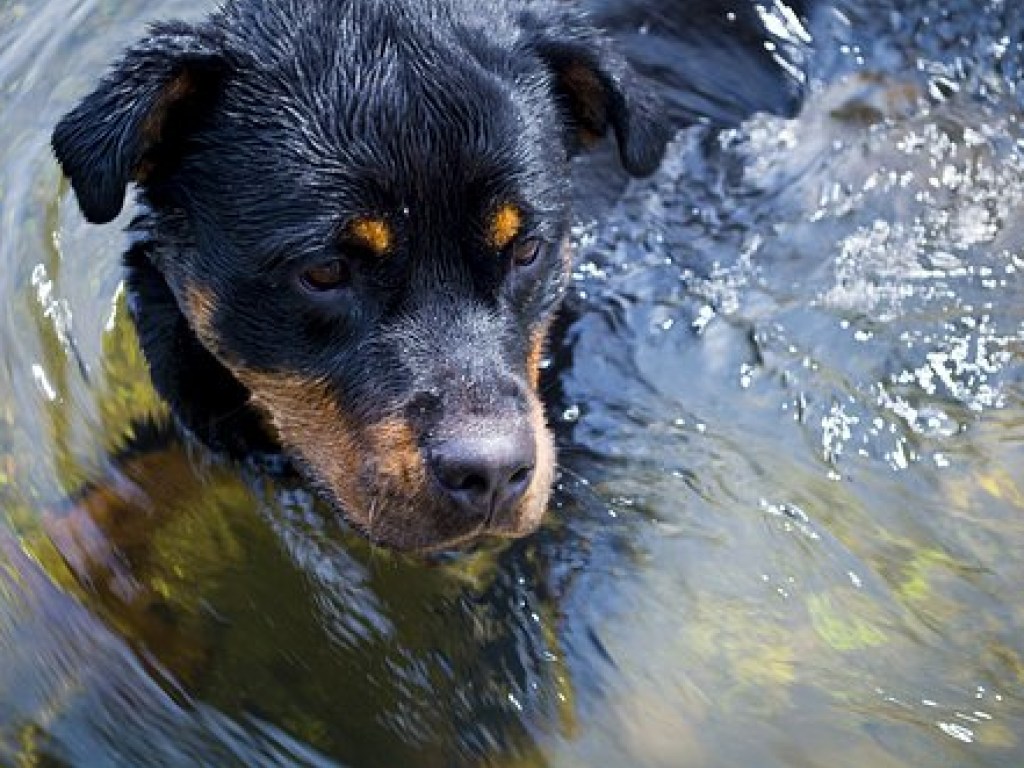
<point>258,138</point>
<point>420,142</point>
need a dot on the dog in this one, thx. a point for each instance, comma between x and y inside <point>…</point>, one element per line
<point>353,236</point>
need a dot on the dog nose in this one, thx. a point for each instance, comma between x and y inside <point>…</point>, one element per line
<point>484,477</point>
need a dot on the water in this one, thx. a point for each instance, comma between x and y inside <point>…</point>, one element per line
<point>789,398</point>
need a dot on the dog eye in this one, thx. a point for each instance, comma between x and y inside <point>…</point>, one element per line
<point>525,252</point>
<point>328,276</point>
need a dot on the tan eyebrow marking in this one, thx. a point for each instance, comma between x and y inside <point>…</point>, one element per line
<point>505,225</point>
<point>375,234</point>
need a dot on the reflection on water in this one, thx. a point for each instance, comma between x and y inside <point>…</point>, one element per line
<point>790,405</point>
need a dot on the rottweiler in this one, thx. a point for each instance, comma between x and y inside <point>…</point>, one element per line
<point>353,236</point>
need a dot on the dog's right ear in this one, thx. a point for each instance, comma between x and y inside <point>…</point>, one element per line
<point>596,87</point>
<point>133,125</point>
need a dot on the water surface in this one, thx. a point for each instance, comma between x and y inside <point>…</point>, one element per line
<point>789,399</point>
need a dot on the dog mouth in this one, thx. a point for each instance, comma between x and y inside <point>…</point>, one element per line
<point>448,546</point>
<point>486,477</point>
<point>490,482</point>
<point>397,502</point>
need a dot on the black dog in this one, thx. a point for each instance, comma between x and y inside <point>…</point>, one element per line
<point>355,233</point>
<point>354,237</point>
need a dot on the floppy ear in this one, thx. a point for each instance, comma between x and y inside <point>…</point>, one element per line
<point>597,88</point>
<point>133,124</point>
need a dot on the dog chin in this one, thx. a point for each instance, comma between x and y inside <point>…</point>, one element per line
<point>400,536</point>
<point>463,544</point>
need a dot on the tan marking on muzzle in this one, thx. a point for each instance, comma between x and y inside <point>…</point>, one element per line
<point>397,455</point>
<point>530,512</point>
<point>311,424</point>
<point>358,464</point>
<point>375,472</point>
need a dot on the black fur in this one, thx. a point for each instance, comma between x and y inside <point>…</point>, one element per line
<point>257,137</point>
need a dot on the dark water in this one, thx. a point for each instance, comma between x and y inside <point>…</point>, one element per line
<point>790,518</point>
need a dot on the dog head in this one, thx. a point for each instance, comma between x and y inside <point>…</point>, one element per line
<point>360,210</point>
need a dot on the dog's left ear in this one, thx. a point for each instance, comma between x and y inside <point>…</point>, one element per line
<point>134,123</point>
<point>597,88</point>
